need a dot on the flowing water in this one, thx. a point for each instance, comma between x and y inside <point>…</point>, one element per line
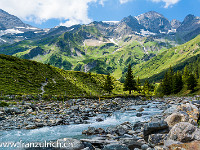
<point>75,131</point>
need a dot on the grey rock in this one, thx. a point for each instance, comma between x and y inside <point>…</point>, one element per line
<point>99,119</point>
<point>130,142</point>
<point>12,111</point>
<point>71,144</point>
<point>176,118</point>
<point>157,139</point>
<point>183,132</point>
<point>144,147</point>
<point>139,114</point>
<point>155,127</point>
<point>169,142</point>
<point>115,147</point>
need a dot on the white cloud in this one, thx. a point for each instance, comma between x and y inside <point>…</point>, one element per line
<point>102,2</point>
<point>75,11</point>
<point>124,1</point>
<point>167,2</point>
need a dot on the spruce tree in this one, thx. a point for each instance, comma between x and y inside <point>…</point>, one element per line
<point>108,86</point>
<point>146,87</point>
<point>185,74</point>
<point>191,82</point>
<point>177,83</point>
<point>130,83</point>
<point>138,84</point>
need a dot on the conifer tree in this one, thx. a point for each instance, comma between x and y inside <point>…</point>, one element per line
<point>185,74</point>
<point>146,87</point>
<point>191,82</point>
<point>138,84</point>
<point>177,83</point>
<point>130,83</point>
<point>108,86</point>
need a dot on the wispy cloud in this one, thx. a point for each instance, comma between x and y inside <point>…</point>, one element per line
<point>75,11</point>
<point>124,1</point>
<point>167,2</point>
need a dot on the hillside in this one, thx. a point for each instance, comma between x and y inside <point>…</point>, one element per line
<point>86,49</point>
<point>104,47</point>
<point>20,76</point>
<point>176,57</point>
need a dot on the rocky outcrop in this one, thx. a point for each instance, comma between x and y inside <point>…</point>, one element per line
<point>9,21</point>
<point>154,22</point>
<point>175,23</point>
<point>184,132</point>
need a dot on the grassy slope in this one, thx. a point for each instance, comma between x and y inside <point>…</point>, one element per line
<point>20,76</point>
<point>175,57</point>
<point>61,51</point>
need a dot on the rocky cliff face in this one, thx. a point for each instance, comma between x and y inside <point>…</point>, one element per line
<point>175,24</point>
<point>8,21</point>
<point>189,24</point>
<point>154,22</point>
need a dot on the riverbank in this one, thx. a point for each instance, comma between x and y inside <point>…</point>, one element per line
<point>176,123</point>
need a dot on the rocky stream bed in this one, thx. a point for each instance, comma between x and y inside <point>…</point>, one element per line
<point>114,124</point>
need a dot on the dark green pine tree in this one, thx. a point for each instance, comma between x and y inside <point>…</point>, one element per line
<point>177,83</point>
<point>138,85</point>
<point>167,82</point>
<point>130,83</point>
<point>108,86</point>
<point>146,87</point>
<point>185,74</point>
<point>191,82</point>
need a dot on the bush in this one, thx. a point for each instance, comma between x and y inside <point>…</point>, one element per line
<point>4,104</point>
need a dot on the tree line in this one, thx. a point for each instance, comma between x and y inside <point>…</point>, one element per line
<point>130,84</point>
<point>174,82</point>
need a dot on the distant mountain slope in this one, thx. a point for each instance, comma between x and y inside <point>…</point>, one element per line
<point>8,21</point>
<point>102,47</point>
<point>27,77</point>
<point>177,57</point>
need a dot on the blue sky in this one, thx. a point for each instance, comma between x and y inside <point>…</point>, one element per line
<point>50,13</point>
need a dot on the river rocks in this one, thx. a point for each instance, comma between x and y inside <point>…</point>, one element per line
<point>190,109</point>
<point>132,143</point>
<point>184,132</point>
<point>28,127</point>
<point>115,147</point>
<point>185,146</point>
<point>70,144</point>
<point>157,139</point>
<point>12,111</point>
<point>176,118</point>
<point>141,109</point>
<point>93,131</point>
<point>99,119</point>
<point>155,127</point>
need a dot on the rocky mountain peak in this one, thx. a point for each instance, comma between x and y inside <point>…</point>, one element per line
<point>151,15</point>
<point>154,22</point>
<point>190,23</point>
<point>175,23</point>
<point>8,21</point>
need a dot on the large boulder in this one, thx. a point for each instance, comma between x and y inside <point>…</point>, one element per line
<point>185,146</point>
<point>154,128</point>
<point>176,118</point>
<point>190,109</point>
<point>184,132</point>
